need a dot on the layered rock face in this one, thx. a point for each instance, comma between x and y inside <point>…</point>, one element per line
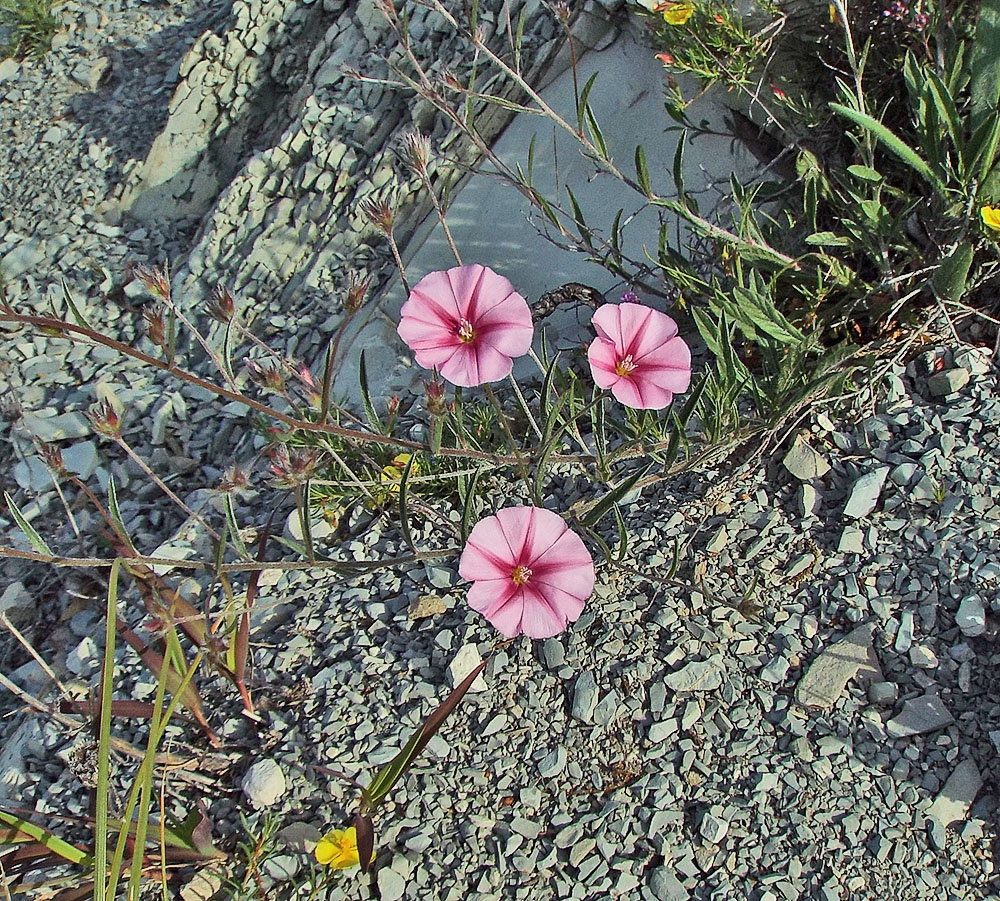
<point>280,126</point>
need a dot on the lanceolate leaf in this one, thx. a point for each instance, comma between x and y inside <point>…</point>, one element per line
<point>612,497</point>
<point>387,777</point>
<point>34,539</point>
<point>14,829</point>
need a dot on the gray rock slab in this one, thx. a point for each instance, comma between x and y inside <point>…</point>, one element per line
<point>924,714</point>
<point>702,675</point>
<point>941,384</point>
<point>955,798</point>
<point>584,698</point>
<point>865,493</point>
<point>58,427</point>
<point>391,885</point>
<point>665,886</point>
<point>828,675</point>
<point>805,463</point>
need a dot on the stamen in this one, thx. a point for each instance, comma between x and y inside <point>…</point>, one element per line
<point>520,575</point>
<point>625,366</point>
<point>465,333</point>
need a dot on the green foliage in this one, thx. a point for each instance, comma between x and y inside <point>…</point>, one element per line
<point>32,24</point>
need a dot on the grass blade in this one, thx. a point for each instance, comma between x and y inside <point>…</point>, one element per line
<point>34,539</point>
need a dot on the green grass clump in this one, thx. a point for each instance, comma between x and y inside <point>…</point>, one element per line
<point>33,26</point>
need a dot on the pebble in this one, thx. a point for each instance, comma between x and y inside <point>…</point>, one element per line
<point>971,616</point>
<point>665,886</point>
<point>955,798</point>
<point>553,763</point>
<point>941,384</point>
<point>584,698</point>
<point>713,829</point>
<point>426,605</point>
<point>865,493</point>
<point>828,675</point>
<point>803,462</point>
<point>463,663</point>
<point>919,715</point>
<point>923,657</point>
<point>391,885</point>
<point>264,783</point>
<point>883,693</point>
<point>704,675</point>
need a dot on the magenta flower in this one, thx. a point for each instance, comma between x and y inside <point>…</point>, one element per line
<point>468,323</point>
<point>530,573</point>
<point>638,355</point>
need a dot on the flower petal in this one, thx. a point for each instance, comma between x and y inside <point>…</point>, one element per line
<point>603,357</point>
<point>607,324</point>
<point>541,618</point>
<point>487,553</point>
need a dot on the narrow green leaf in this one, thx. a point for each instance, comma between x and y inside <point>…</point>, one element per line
<point>34,539</point>
<point>622,536</point>
<point>642,171</point>
<point>469,503</point>
<point>679,166</point>
<point>948,114</point>
<point>581,104</point>
<point>21,830</point>
<point>608,500</point>
<point>228,342</point>
<point>595,130</point>
<point>366,401</point>
<point>892,142</point>
<point>234,528</point>
<point>114,511</point>
<point>404,515</point>
<point>391,772</point>
<point>828,239</point>
<point>104,733</point>
<point>77,315</point>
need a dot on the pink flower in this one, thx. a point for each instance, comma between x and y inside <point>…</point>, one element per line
<point>468,322</point>
<point>530,573</point>
<point>638,355</point>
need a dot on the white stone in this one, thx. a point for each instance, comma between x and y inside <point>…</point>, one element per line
<point>464,662</point>
<point>702,675</point>
<point>391,885</point>
<point>264,783</point>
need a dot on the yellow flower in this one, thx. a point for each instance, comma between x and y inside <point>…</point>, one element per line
<point>339,849</point>
<point>675,13</point>
<point>393,473</point>
<point>991,217</point>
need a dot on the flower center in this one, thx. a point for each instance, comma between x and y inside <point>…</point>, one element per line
<point>465,333</point>
<point>520,575</point>
<point>625,366</point>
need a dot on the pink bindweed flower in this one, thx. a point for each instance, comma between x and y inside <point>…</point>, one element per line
<point>638,355</point>
<point>530,573</point>
<point>468,323</point>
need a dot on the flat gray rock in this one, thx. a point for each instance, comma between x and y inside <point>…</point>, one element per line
<point>584,698</point>
<point>805,463</point>
<point>941,384</point>
<point>865,493</point>
<point>828,675</point>
<point>955,798</point>
<point>702,675</point>
<point>924,714</point>
<point>971,616</point>
<point>665,886</point>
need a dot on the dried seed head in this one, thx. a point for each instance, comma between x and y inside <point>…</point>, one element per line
<point>221,306</point>
<point>378,213</point>
<point>357,290</point>
<point>156,329</point>
<point>416,152</point>
<point>235,480</point>
<point>156,280</point>
<point>437,404</point>
<point>270,378</point>
<point>105,420</point>
<point>52,457</point>
<point>293,466</point>
<point>562,11</point>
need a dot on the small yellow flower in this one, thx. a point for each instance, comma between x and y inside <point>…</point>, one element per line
<point>991,217</point>
<point>675,13</point>
<point>393,473</point>
<point>339,849</point>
